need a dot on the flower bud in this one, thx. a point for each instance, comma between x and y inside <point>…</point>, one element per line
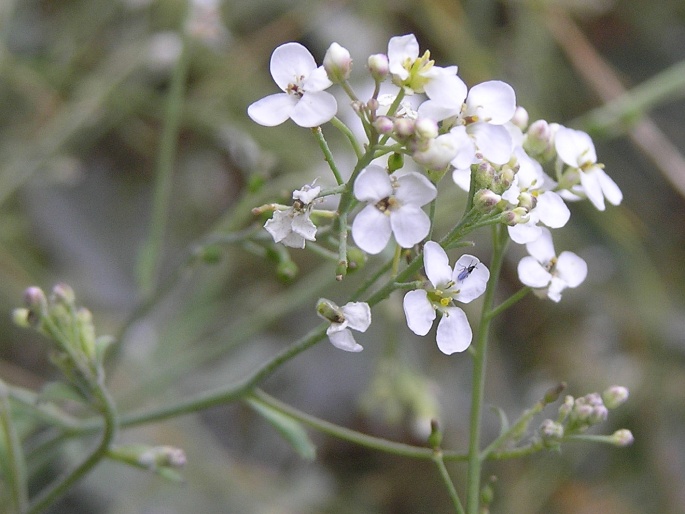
<point>623,437</point>
<point>404,127</point>
<point>538,138</point>
<point>551,432</point>
<point>63,293</point>
<point>286,270</point>
<point>515,216</point>
<point>599,414</point>
<point>22,317</point>
<point>527,201</point>
<point>426,128</point>
<point>329,311</point>
<point>520,118</point>
<point>338,63</point>
<point>486,200</point>
<point>615,396</point>
<point>86,331</point>
<point>435,437</point>
<point>384,125</point>
<point>162,457</point>
<point>379,66</point>
<point>552,394</point>
<point>356,259</point>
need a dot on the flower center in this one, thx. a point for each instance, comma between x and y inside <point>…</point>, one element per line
<point>441,298</point>
<point>388,204</point>
<point>295,88</point>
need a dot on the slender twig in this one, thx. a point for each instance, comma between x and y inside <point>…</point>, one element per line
<point>15,465</point>
<point>517,296</point>
<point>500,239</point>
<point>447,481</point>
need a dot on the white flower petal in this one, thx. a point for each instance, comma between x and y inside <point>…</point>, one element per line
<point>307,194</point>
<point>371,230</point>
<point>571,269</point>
<point>410,225</point>
<point>532,273</point>
<point>293,240</point>
<point>436,264</point>
<point>302,225</point>
<point>462,177</point>
<point>418,311</point>
<point>401,48</point>
<point>454,332</point>
<point>574,147</point>
<point>358,315</point>
<point>552,210</point>
<point>474,283</point>
<point>317,81</point>
<point>523,233</point>
<point>493,102</point>
<point>314,109</point>
<point>611,191</point>
<point>446,89</point>
<point>542,248</point>
<point>280,225</point>
<point>272,110</point>
<point>593,189</point>
<point>289,62</point>
<point>372,184</point>
<point>414,188</point>
<point>344,340</point>
<point>493,141</point>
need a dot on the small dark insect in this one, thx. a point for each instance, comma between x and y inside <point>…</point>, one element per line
<point>466,271</point>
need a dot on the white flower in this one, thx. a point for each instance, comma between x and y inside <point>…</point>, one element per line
<point>466,282</point>
<point>394,207</point>
<point>413,73</point>
<point>576,149</point>
<point>304,100</point>
<point>483,111</point>
<point>549,208</point>
<point>352,315</point>
<point>292,226</point>
<point>550,274</point>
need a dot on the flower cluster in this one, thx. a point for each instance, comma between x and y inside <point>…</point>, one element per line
<point>517,173</point>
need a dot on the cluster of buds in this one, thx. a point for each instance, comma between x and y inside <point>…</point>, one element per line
<point>78,352</point>
<point>577,415</point>
<point>163,460</point>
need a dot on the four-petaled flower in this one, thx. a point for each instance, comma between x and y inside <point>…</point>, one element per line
<point>465,282</point>
<point>394,206</point>
<point>546,272</point>
<point>292,226</point>
<point>304,100</point>
<point>352,315</point>
<point>576,149</point>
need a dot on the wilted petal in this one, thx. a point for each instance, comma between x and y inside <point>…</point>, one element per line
<point>410,225</point>
<point>344,340</point>
<point>371,230</point>
<point>272,110</point>
<point>303,226</point>
<point>280,224</point>
<point>418,311</point>
<point>454,332</point>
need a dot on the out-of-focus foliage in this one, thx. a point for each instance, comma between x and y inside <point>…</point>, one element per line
<point>83,85</point>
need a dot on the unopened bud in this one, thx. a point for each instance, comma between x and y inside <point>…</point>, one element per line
<point>286,270</point>
<point>86,330</point>
<point>486,200</point>
<point>551,432</point>
<point>384,125</point>
<point>329,311</point>
<point>538,137</point>
<point>520,118</point>
<point>552,394</point>
<point>356,259</point>
<point>22,317</point>
<point>515,216</point>
<point>527,201</point>
<point>63,293</point>
<point>338,63</point>
<point>379,66</point>
<point>435,437</point>
<point>162,457</point>
<point>615,396</point>
<point>599,414</point>
<point>404,127</point>
<point>426,128</point>
<point>623,437</point>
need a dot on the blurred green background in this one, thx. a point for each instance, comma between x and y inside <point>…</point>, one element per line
<point>83,85</point>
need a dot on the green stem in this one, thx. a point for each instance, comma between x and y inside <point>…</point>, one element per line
<point>49,496</point>
<point>349,135</point>
<point>519,295</point>
<point>500,239</point>
<point>15,466</point>
<point>328,156</point>
<point>447,481</point>
<point>151,256</point>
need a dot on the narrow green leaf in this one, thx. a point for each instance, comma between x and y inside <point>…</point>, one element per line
<point>291,430</point>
